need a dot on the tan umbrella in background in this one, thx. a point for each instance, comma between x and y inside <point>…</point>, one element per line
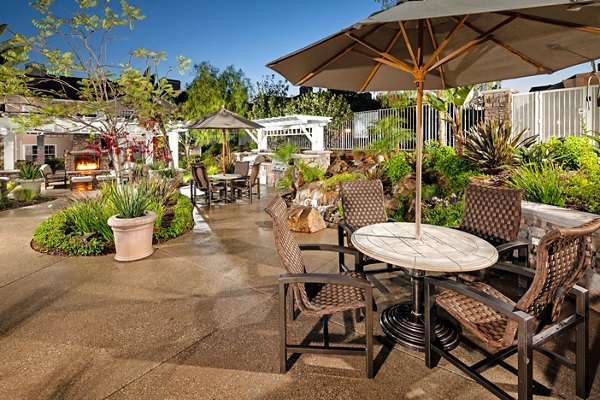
<point>438,44</point>
<point>224,119</point>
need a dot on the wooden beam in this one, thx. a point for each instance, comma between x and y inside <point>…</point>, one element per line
<point>445,42</point>
<point>403,66</point>
<point>563,24</point>
<point>407,43</point>
<point>525,58</point>
<point>434,44</point>
<point>378,65</point>
<point>334,58</point>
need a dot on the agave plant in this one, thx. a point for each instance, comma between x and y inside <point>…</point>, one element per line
<point>493,145</point>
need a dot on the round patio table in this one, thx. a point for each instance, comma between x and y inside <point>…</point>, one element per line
<point>440,249</point>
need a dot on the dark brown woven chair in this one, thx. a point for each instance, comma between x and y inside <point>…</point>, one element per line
<point>363,205</point>
<point>522,326</point>
<point>246,187</point>
<point>211,192</point>
<point>494,214</point>
<point>317,294</point>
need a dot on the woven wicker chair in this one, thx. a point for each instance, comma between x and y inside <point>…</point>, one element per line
<point>522,326</point>
<point>317,294</point>
<point>210,191</point>
<point>363,205</point>
<point>494,214</point>
<point>246,187</point>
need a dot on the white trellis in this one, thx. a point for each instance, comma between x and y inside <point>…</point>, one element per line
<point>291,125</point>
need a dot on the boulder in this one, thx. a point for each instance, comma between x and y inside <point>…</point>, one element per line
<point>406,185</point>
<point>305,219</point>
<point>337,167</point>
<point>313,194</point>
<point>367,169</point>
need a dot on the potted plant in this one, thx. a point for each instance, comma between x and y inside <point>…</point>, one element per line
<point>133,224</point>
<point>30,177</point>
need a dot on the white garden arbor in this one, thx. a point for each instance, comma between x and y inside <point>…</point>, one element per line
<point>313,127</point>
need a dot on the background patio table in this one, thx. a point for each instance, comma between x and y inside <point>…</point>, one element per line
<point>440,249</point>
<point>227,178</point>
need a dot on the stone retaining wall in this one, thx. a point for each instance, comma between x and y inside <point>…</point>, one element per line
<point>537,219</point>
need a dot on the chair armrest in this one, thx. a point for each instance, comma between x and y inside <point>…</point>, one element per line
<point>507,247</point>
<point>346,228</point>
<point>501,306</point>
<point>391,220</point>
<point>329,247</point>
<point>326,278</point>
<point>515,269</point>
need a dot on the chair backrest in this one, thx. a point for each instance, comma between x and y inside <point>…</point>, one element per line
<point>200,176</point>
<point>563,255</point>
<point>287,249</point>
<point>241,168</point>
<point>363,203</point>
<point>45,170</point>
<point>254,173</point>
<point>492,213</point>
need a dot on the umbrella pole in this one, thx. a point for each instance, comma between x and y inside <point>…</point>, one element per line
<point>419,80</point>
<point>223,152</point>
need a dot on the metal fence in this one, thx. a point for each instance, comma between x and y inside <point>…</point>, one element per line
<point>360,131</point>
<point>560,113</point>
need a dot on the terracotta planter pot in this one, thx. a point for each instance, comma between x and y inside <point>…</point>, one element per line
<point>133,236</point>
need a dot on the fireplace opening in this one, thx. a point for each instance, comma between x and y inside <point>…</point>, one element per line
<point>85,161</point>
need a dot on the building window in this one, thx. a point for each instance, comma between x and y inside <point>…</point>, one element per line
<point>31,152</point>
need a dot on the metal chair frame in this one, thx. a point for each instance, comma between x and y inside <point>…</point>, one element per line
<point>292,290</point>
<point>533,320</point>
<point>201,181</point>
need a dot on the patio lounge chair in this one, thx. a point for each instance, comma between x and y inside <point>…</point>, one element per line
<point>211,192</point>
<point>50,178</point>
<point>363,205</point>
<point>317,294</point>
<point>520,327</point>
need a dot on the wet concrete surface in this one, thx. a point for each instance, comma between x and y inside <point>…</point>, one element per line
<point>198,320</point>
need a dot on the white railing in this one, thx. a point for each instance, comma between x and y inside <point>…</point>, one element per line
<point>560,113</point>
<point>358,133</point>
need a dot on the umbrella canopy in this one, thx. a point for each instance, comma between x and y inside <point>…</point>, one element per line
<point>437,44</point>
<point>224,119</point>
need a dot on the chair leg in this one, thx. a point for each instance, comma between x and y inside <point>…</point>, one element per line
<point>325,320</point>
<point>282,329</point>
<point>431,358</point>
<point>582,344</point>
<point>369,335</point>
<point>290,305</point>
<point>525,359</point>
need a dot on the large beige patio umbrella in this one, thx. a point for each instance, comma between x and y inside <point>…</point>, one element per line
<point>438,44</point>
<point>224,119</point>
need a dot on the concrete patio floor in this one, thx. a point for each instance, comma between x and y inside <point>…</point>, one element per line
<point>198,320</point>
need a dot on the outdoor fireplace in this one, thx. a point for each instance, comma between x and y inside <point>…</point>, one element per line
<point>86,162</point>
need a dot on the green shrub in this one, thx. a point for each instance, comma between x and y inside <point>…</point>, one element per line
<point>29,170</point>
<point>129,200</point>
<point>285,152</point>
<point>335,180</point>
<point>90,216</point>
<point>23,194</point>
<point>55,235</point>
<point>433,152</point>
<point>569,150</point>
<point>444,212</point>
<point>492,145</point>
<point>182,219</point>
<point>397,167</point>
<point>542,184</point>
<point>310,174</point>
<point>285,182</point>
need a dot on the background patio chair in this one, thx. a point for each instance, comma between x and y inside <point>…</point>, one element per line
<point>247,186</point>
<point>50,178</point>
<point>317,294</point>
<point>494,214</point>
<point>211,192</point>
<point>110,177</point>
<point>522,326</point>
<point>363,204</point>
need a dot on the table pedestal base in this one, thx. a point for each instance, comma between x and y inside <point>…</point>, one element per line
<point>400,324</point>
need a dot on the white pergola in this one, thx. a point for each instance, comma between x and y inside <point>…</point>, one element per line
<point>312,127</point>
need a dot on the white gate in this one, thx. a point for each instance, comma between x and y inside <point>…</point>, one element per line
<point>560,113</point>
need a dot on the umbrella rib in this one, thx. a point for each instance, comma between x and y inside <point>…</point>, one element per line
<point>564,24</point>
<point>378,65</point>
<point>334,58</point>
<point>383,54</point>
<point>401,66</point>
<point>407,42</point>
<point>445,42</point>
<point>484,37</point>
<point>525,58</point>
<point>434,44</point>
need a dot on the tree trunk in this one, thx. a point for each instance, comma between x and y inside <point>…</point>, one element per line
<point>442,129</point>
